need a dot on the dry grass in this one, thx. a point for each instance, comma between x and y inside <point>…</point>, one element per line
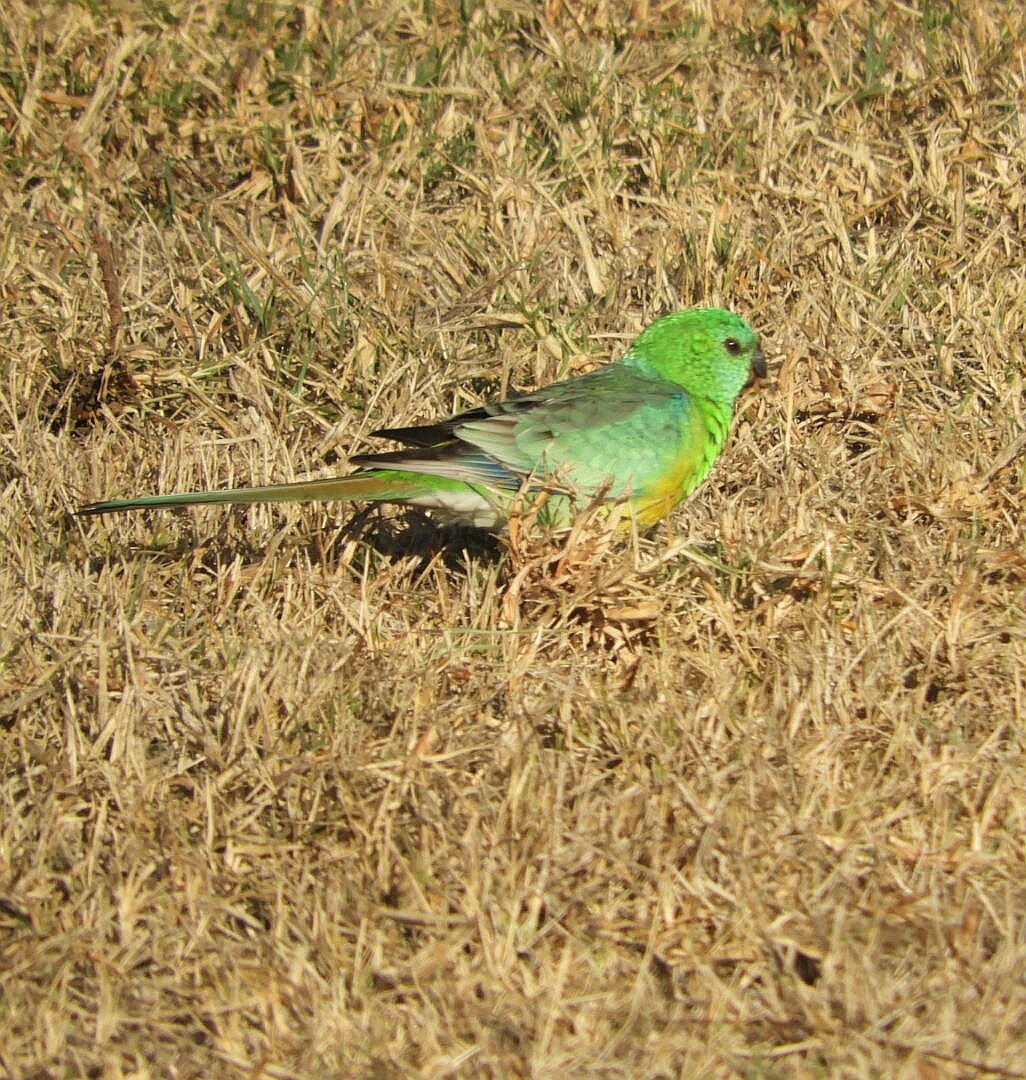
<point>744,797</point>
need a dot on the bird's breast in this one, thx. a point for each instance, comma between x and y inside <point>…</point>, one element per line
<point>684,469</point>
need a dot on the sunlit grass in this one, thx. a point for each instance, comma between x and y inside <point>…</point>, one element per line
<point>308,791</point>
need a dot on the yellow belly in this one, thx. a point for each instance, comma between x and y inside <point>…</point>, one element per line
<point>690,468</point>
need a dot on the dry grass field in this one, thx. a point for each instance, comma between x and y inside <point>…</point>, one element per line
<point>318,790</point>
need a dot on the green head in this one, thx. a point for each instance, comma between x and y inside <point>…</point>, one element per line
<point>710,352</point>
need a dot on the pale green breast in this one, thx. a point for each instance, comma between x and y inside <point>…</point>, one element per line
<point>700,440</point>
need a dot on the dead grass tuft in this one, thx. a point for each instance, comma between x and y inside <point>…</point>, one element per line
<point>743,797</point>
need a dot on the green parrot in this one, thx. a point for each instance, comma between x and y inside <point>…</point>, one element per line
<point>644,430</point>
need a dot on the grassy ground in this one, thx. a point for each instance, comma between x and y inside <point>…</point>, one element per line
<point>285,796</point>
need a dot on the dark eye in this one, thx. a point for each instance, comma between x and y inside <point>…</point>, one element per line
<point>733,346</point>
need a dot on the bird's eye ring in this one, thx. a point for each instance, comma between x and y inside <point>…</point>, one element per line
<point>733,346</point>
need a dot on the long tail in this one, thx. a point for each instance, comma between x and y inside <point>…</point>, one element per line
<point>373,485</point>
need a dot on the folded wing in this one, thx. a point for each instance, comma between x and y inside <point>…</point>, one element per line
<point>614,430</point>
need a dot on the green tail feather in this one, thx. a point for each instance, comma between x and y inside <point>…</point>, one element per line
<point>372,485</point>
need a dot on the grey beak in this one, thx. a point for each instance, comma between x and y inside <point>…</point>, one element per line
<point>758,368</point>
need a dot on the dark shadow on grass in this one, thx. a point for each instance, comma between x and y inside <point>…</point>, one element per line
<point>416,535</point>
<point>411,535</point>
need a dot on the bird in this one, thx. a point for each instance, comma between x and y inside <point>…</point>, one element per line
<point>643,430</point>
